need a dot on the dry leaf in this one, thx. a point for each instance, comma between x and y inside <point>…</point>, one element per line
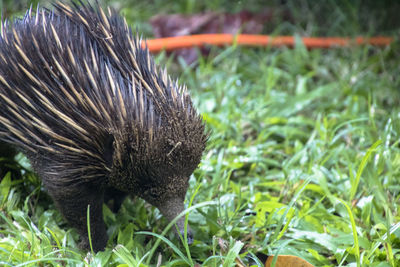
<point>288,261</point>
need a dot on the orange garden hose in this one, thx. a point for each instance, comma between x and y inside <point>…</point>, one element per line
<point>172,43</point>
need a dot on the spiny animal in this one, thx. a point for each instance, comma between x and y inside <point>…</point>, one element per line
<point>85,102</point>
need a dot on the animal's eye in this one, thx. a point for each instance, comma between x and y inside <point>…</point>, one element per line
<point>153,192</point>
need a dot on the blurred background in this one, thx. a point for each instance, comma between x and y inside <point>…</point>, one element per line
<point>303,17</point>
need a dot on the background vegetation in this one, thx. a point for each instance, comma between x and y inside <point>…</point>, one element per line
<point>303,158</point>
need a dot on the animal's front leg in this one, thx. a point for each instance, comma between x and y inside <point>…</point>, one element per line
<point>73,202</point>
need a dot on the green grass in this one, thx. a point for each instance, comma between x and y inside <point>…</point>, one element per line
<point>303,159</point>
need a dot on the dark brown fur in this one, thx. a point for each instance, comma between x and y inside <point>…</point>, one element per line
<point>94,114</point>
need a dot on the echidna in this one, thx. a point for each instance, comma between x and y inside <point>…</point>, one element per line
<point>82,98</point>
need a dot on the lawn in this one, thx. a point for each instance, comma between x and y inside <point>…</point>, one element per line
<point>303,156</point>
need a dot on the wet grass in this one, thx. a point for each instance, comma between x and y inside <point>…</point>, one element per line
<point>303,159</point>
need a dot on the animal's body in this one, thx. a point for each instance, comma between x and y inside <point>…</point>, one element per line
<point>97,119</point>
